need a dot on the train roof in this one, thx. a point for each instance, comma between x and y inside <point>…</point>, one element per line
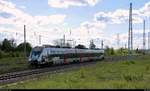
<point>41,47</point>
<point>69,50</point>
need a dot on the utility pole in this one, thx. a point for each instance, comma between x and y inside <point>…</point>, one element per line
<point>118,40</point>
<point>148,40</point>
<point>144,36</point>
<point>130,34</point>
<point>64,40</point>
<point>40,39</point>
<point>70,32</point>
<point>25,41</point>
<point>125,46</point>
<point>102,44</point>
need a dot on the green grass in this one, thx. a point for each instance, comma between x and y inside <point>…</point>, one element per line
<point>105,75</point>
<point>11,64</point>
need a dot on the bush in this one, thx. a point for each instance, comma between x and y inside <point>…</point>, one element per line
<point>147,68</point>
<point>129,62</point>
<point>11,54</point>
<point>1,54</point>
<point>82,73</point>
<point>16,54</point>
<point>133,77</point>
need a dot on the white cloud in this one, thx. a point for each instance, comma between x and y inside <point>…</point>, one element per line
<point>22,7</point>
<point>93,24</point>
<point>117,17</point>
<point>87,31</point>
<point>122,15</point>
<point>92,2</point>
<point>52,19</point>
<point>145,10</point>
<point>41,25</point>
<point>68,3</point>
<point>33,23</point>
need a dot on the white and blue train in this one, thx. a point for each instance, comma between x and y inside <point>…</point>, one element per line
<point>48,55</point>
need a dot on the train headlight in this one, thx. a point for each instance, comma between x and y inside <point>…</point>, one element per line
<point>30,59</point>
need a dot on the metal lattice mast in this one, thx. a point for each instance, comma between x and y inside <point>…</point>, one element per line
<point>130,33</point>
<point>131,26</point>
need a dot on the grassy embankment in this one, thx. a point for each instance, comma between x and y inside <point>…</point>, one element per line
<point>122,74</point>
<point>12,64</point>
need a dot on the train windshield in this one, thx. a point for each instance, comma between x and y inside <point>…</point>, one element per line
<point>36,52</point>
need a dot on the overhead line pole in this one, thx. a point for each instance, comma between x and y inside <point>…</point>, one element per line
<point>131,26</point>
<point>102,44</point>
<point>130,33</point>
<point>118,40</point>
<point>144,36</point>
<point>25,41</point>
<point>148,40</point>
<point>39,39</point>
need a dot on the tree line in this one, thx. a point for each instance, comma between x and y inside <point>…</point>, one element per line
<point>8,48</point>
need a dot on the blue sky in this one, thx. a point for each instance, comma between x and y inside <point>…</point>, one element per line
<point>76,15</point>
<point>80,16</point>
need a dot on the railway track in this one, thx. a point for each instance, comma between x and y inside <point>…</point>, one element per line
<point>29,74</point>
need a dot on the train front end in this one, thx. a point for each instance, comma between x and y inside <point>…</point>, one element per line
<point>35,56</point>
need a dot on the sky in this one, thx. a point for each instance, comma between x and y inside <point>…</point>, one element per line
<point>78,20</point>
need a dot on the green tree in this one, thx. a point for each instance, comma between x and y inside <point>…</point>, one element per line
<point>0,46</point>
<point>112,51</point>
<point>7,45</point>
<point>107,50</point>
<point>122,51</point>
<point>21,46</point>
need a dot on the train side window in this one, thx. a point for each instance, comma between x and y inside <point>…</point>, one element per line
<point>49,51</point>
